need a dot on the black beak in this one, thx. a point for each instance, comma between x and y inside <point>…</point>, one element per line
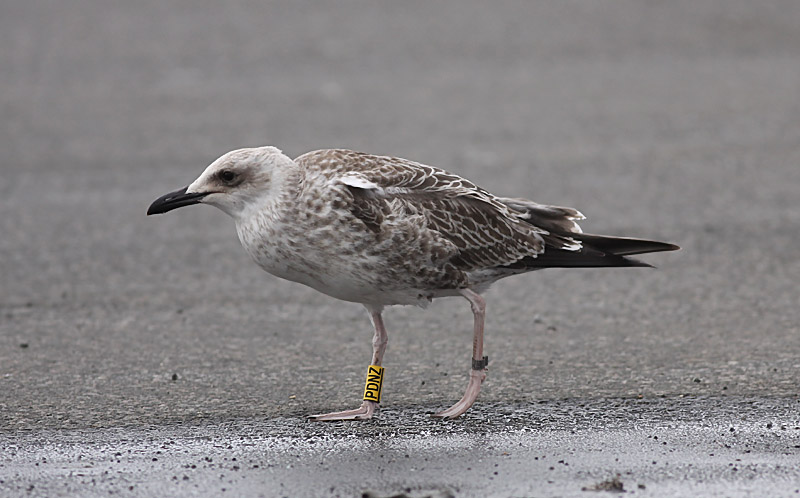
<point>174,200</point>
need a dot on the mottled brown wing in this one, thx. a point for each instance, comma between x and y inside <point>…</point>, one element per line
<point>384,189</point>
<point>485,236</point>
<point>394,176</point>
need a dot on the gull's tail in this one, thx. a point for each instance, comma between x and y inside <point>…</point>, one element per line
<point>566,246</point>
<point>597,251</point>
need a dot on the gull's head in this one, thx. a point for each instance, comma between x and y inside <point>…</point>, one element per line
<point>238,180</point>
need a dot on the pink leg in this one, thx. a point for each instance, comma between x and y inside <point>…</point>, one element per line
<point>367,408</point>
<point>478,373</point>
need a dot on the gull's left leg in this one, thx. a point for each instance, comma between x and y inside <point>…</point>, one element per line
<point>367,408</point>
<point>479,362</point>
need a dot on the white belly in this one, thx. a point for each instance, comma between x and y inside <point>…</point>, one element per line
<point>327,263</point>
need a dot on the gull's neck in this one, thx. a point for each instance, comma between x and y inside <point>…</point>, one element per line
<point>278,201</point>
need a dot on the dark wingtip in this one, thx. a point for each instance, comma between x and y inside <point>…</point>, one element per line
<point>636,263</point>
<point>623,246</point>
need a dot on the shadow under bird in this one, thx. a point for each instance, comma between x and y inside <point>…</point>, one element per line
<point>383,231</point>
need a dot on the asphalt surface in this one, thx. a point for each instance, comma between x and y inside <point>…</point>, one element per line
<point>552,448</point>
<point>125,334</point>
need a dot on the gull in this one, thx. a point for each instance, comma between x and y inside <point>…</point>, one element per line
<point>384,231</point>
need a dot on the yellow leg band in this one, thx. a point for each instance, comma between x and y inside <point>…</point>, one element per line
<point>374,384</point>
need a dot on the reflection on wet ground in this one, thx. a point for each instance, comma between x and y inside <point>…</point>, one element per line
<point>646,447</point>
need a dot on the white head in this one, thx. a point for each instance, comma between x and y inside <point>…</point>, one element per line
<point>237,181</point>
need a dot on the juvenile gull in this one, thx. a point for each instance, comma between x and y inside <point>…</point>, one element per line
<point>380,231</point>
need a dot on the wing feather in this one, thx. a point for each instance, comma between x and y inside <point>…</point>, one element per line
<point>475,230</point>
<point>384,189</point>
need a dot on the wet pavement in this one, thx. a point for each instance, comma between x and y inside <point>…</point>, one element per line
<point>140,356</point>
<point>645,447</point>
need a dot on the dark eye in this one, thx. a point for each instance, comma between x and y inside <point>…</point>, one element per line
<point>227,175</point>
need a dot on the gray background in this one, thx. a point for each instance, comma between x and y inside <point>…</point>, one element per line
<point>676,121</point>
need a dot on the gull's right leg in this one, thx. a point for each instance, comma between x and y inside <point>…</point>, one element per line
<point>367,408</point>
<point>479,362</point>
